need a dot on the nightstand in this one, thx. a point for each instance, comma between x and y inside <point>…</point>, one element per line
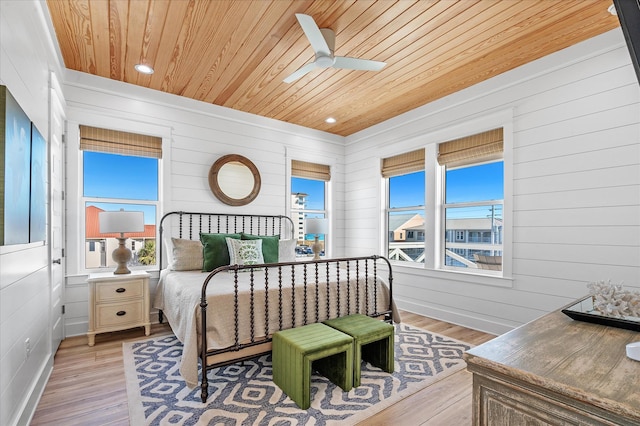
<point>118,302</point>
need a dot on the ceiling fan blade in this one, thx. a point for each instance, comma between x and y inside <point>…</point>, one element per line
<point>301,72</point>
<point>358,64</point>
<point>314,35</point>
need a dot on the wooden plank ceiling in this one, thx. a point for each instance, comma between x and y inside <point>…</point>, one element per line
<point>235,53</point>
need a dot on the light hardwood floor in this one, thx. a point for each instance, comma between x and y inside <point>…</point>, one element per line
<point>87,386</point>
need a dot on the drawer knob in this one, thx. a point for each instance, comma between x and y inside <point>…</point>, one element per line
<point>121,290</point>
<point>121,313</point>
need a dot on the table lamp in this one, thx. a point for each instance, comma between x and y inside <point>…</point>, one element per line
<point>121,222</point>
<point>316,226</point>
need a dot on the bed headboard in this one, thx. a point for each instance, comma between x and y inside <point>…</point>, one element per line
<point>189,225</point>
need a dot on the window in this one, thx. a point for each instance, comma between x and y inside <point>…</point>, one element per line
<point>473,202</point>
<point>308,200</point>
<point>119,171</point>
<point>405,218</point>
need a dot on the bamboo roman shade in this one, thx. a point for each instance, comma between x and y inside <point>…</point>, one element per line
<point>401,164</point>
<point>310,170</point>
<point>117,142</point>
<point>484,146</point>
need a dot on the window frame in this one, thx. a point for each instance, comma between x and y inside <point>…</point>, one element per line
<point>314,212</point>
<point>434,199</point>
<point>443,215</point>
<point>83,201</point>
<point>388,210</point>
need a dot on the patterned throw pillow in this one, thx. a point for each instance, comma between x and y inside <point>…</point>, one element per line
<point>269,246</point>
<point>187,255</point>
<point>245,252</point>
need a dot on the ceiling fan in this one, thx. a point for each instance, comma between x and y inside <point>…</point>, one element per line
<point>323,43</point>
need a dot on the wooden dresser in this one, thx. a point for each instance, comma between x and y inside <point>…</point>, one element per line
<point>118,302</point>
<point>556,371</point>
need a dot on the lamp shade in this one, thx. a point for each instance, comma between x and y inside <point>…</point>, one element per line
<point>316,226</point>
<point>121,221</point>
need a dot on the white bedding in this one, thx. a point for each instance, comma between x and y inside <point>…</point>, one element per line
<point>178,295</point>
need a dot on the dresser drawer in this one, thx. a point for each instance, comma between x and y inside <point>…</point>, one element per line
<point>116,291</point>
<point>120,314</point>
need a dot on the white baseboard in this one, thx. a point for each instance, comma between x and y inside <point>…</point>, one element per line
<point>486,326</point>
<point>31,403</point>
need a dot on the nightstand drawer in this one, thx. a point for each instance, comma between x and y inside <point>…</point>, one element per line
<point>120,314</point>
<point>116,291</point>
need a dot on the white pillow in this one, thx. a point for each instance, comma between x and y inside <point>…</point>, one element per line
<point>187,255</point>
<point>287,250</point>
<point>245,252</point>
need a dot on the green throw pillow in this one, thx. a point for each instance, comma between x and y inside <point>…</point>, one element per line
<point>214,250</point>
<point>270,246</point>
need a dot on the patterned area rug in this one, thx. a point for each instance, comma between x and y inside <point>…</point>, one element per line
<point>244,394</point>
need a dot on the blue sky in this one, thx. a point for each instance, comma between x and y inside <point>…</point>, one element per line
<point>484,182</point>
<point>120,176</point>
<point>117,176</point>
<point>314,189</point>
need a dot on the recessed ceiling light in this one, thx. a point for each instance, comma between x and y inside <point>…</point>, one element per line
<point>330,120</point>
<point>144,69</point>
<point>612,10</point>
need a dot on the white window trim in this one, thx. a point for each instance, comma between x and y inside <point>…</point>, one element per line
<point>328,199</point>
<point>434,210</point>
<point>74,187</point>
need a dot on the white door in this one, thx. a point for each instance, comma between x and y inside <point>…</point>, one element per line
<point>56,210</point>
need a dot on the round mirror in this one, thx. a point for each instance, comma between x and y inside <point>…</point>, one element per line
<point>234,180</point>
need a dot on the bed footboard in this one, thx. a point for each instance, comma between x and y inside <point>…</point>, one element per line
<point>279,296</point>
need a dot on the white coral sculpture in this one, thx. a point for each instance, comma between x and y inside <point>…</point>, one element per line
<point>611,300</point>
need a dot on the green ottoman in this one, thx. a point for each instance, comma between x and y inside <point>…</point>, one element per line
<point>373,341</point>
<point>296,352</point>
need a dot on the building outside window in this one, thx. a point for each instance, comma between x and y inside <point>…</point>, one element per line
<point>309,183</point>
<point>119,171</point>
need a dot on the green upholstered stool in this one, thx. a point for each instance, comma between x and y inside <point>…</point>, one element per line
<point>296,352</point>
<point>373,341</point>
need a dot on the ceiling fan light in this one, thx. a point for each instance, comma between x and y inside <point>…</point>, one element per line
<point>325,61</point>
<point>144,69</point>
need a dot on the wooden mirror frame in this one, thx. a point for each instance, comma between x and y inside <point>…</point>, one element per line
<point>217,190</point>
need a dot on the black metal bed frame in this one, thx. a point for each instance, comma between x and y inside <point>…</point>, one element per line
<point>313,273</point>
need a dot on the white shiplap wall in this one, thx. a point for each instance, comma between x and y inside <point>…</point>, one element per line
<point>26,59</point>
<point>195,134</point>
<point>575,179</point>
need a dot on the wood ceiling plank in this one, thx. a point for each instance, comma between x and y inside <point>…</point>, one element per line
<point>265,100</point>
<point>556,36</point>
<point>456,51</point>
<point>236,52</point>
<point>267,27</point>
<point>136,26</point>
<point>222,43</point>
<point>100,36</point>
<point>293,48</point>
<point>397,30</point>
<point>175,19</point>
<point>72,21</point>
<point>207,47</point>
<point>189,46</point>
<point>118,19</point>
<point>281,96</point>
<point>439,29</point>
<point>150,44</point>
